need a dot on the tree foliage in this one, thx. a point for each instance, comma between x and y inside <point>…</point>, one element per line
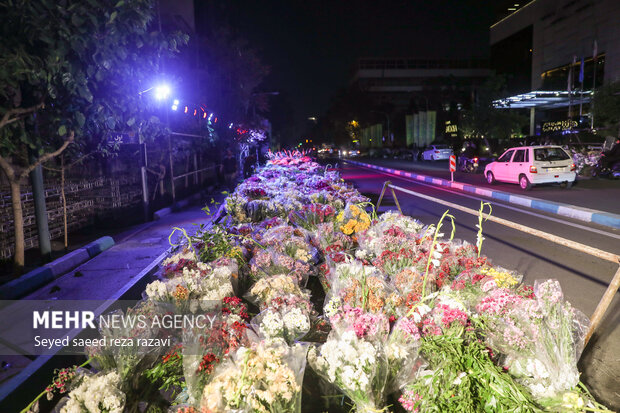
<point>82,65</point>
<point>482,119</point>
<point>231,71</point>
<point>607,106</point>
<point>74,71</point>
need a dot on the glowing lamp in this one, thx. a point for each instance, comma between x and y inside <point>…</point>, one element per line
<point>162,92</point>
<point>174,107</point>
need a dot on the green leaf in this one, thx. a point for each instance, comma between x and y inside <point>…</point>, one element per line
<point>131,122</point>
<point>62,130</point>
<point>76,20</point>
<point>79,116</point>
<point>113,16</point>
<point>110,123</point>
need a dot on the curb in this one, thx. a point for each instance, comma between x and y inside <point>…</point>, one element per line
<point>16,392</point>
<point>160,213</point>
<point>571,211</point>
<point>38,277</point>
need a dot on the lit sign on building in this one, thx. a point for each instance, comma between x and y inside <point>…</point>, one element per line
<point>561,125</point>
<point>451,128</point>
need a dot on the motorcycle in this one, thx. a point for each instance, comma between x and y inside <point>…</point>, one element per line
<point>611,171</point>
<point>469,165</point>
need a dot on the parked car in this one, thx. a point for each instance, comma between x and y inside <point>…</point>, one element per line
<point>531,165</point>
<point>437,152</point>
<point>349,153</point>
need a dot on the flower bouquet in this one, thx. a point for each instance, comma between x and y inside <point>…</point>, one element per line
<point>267,289</point>
<point>265,377</point>
<point>357,366</point>
<point>541,337</point>
<point>99,393</point>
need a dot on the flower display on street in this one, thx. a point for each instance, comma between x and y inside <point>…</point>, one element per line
<point>389,314</point>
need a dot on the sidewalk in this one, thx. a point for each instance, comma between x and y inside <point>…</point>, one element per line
<point>119,272</point>
<point>608,219</point>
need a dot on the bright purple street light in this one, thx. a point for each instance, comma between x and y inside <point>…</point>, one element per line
<point>162,92</point>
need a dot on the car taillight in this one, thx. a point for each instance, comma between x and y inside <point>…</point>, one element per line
<point>533,169</point>
<point>475,160</point>
<point>572,167</point>
<point>436,151</point>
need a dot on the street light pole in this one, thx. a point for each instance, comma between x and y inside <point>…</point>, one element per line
<point>144,177</point>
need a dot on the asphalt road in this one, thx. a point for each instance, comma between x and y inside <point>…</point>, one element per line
<point>583,278</point>
<point>599,194</point>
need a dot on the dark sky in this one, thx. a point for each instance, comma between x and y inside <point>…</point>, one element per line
<point>312,46</point>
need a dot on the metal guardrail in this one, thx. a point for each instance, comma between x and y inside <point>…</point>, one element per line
<point>608,296</point>
<point>194,172</point>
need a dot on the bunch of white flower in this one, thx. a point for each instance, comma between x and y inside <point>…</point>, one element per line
<point>296,321</point>
<point>157,290</point>
<point>290,324</point>
<point>97,394</point>
<point>349,363</point>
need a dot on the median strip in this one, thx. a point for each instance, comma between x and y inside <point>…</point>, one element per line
<point>571,211</point>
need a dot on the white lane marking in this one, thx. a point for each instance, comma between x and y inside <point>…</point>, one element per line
<point>494,201</point>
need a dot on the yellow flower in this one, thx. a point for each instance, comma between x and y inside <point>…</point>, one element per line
<point>502,278</point>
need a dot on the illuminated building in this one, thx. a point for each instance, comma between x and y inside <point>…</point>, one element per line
<point>541,47</point>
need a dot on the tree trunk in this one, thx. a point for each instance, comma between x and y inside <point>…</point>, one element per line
<point>40,213</point>
<point>18,223</point>
<point>64,199</point>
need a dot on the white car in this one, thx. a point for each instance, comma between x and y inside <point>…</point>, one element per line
<point>531,165</point>
<point>437,152</point>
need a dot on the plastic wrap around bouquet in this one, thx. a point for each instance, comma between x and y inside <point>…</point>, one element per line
<point>264,377</point>
<point>267,289</point>
<point>356,285</point>
<point>288,316</point>
<point>541,336</point>
<point>94,393</point>
<point>354,359</point>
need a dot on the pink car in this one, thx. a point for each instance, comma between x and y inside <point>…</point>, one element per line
<point>531,165</point>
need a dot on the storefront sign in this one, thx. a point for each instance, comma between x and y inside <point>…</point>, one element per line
<point>451,128</point>
<point>560,125</point>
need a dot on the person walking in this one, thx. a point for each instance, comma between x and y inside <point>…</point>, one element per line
<point>248,165</point>
<point>229,169</point>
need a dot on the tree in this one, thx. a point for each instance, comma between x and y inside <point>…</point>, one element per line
<point>232,71</point>
<point>348,105</point>
<point>72,71</point>
<point>607,106</point>
<point>482,119</point>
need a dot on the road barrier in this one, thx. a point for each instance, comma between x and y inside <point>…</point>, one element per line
<point>571,211</point>
<point>608,296</point>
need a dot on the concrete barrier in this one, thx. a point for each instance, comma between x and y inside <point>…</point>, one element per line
<point>37,278</point>
<point>98,246</point>
<point>159,214</point>
<point>26,284</point>
<point>68,262</point>
<point>571,211</point>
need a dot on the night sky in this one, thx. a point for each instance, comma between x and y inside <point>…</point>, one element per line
<point>312,46</point>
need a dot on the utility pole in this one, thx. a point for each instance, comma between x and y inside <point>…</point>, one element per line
<point>144,178</point>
